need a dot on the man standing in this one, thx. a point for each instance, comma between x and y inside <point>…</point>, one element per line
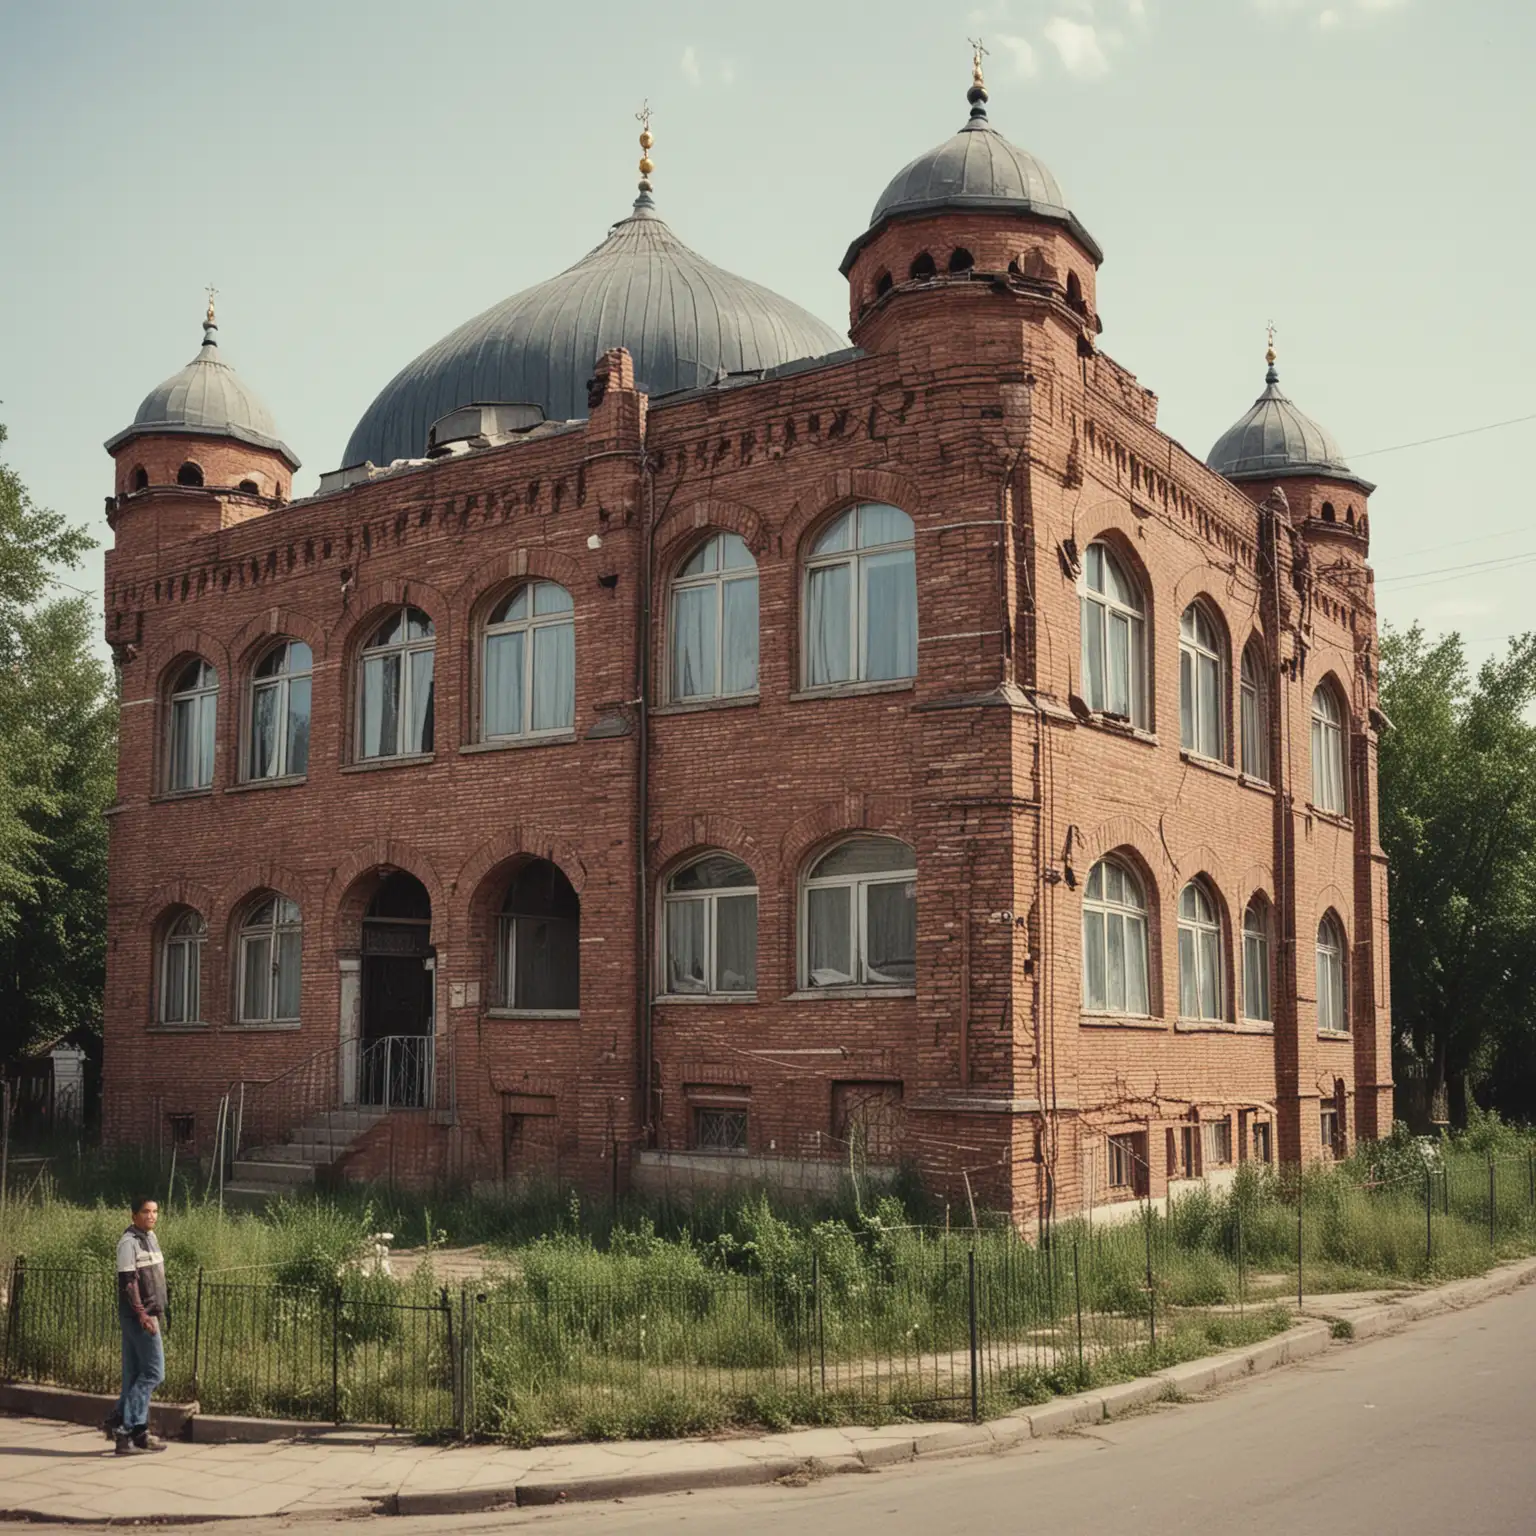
<point>141,1298</point>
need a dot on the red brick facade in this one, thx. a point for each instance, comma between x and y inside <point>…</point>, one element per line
<point>980,406</point>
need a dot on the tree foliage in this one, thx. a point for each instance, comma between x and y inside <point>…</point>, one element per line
<point>58,747</point>
<point>1458,822</point>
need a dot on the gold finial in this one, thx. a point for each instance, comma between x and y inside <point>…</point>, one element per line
<point>1269,353</point>
<point>978,53</point>
<point>647,165</point>
<point>212,295</point>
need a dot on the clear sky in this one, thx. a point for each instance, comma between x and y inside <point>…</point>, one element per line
<point>358,178</point>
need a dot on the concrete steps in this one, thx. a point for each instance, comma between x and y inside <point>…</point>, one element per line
<point>270,1173</point>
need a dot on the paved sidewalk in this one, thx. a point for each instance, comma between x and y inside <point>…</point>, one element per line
<point>60,1472</point>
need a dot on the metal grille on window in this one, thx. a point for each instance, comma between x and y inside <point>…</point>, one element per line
<point>719,1129</point>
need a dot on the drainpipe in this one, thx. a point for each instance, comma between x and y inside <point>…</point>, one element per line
<point>644,1011</point>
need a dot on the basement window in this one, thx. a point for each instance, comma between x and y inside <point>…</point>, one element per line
<point>719,1128</point>
<point>182,1127</point>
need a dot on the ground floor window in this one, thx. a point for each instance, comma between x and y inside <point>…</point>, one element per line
<point>1263,1147</point>
<point>1216,1143</point>
<point>1329,1127</point>
<point>1189,1151</point>
<point>719,1128</point>
<point>1128,1163</point>
<point>866,1120</point>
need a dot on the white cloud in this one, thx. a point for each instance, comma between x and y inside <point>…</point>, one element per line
<point>689,64</point>
<point>1077,44</point>
<point>1328,20</point>
<point>1332,18</point>
<point>1020,51</point>
<point>696,70</point>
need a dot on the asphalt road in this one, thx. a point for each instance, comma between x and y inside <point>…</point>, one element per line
<point>1431,1431</point>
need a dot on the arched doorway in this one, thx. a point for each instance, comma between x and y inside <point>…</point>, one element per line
<point>396,1069</point>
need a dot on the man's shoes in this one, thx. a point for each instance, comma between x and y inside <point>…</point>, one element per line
<point>139,1443</point>
<point>112,1423</point>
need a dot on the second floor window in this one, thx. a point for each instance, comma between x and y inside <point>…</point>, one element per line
<point>859,917</point>
<point>280,697</point>
<point>1256,963</point>
<point>1200,706</point>
<point>711,927</point>
<point>1114,639</point>
<point>1332,994</point>
<point>1199,954</point>
<point>194,711</point>
<point>394,707</point>
<point>530,663</point>
<point>861,599</point>
<point>714,621</point>
<point>1114,941</point>
<point>1328,755</point>
<point>1254,721</point>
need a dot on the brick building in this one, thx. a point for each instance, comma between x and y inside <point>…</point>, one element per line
<point>678,736</point>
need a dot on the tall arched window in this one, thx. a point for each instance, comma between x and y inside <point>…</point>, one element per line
<point>861,599</point>
<point>1114,941</point>
<point>1332,994</point>
<point>1114,639</point>
<point>1256,1004</point>
<point>394,687</point>
<point>270,954</point>
<point>1329,781</point>
<point>711,927</point>
<point>530,664</point>
<point>181,970</point>
<point>279,728</point>
<point>194,712</point>
<point>1254,716</point>
<point>1200,968</point>
<point>190,473</point>
<point>140,478</point>
<point>1200,684</point>
<point>859,916</point>
<point>538,966</point>
<point>714,621</point>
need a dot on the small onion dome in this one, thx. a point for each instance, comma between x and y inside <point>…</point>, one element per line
<point>976,169</point>
<point>206,399</point>
<point>685,321</point>
<point>1274,439</point>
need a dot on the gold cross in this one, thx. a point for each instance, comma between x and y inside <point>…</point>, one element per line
<point>979,51</point>
<point>643,116</point>
<point>1269,355</point>
<point>212,294</point>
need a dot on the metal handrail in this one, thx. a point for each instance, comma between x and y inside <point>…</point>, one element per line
<point>257,1098</point>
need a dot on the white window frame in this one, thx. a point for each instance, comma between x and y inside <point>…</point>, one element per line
<point>709,899</point>
<point>1202,720</point>
<point>535,621</point>
<point>1100,611</point>
<point>1134,919</point>
<point>1330,752</point>
<point>1332,977</point>
<point>719,577</point>
<point>182,951</point>
<point>857,556</point>
<point>1204,931</point>
<point>858,916</point>
<point>405,648</point>
<point>281,684</point>
<point>1126,1156</point>
<point>1216,1150</point>
<point>1256,954</point>
<point>1253,721</point>
<point>285,919</point>
<point>193,704</point>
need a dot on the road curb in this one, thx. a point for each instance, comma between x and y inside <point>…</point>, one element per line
<point>1392,1316</point>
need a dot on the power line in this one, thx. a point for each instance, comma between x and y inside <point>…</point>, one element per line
<point>1445,437</point>
<point>1450,572</point>
<point>1476,538</point>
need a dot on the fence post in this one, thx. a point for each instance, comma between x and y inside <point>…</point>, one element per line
<point>821,1332</point>
<point>1429,1217</point>
<point>466,1363</point>
<point>13,1311</point>
<point>1445,1190</point>
<point>1242,1278</point>
<point>1492,1201</point>
<point>1151,1291</point>
<point>975,1344</point>
<point>336,1353</point>
<point>1298,1236</point>
<point>1530,1179</point>
<point>197,1331</point>
<point>1077,1291</point>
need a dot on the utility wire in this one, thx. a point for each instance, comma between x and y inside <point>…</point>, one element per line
<point>1438,571</point>
<point>1445,437</point>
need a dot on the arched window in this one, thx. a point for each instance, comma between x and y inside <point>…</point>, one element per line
<point>883,285</point>
<point>711,927</point>
<point>714,621</point>
<point>1114,638</point>
<point>922,265</point>
<point>1332,994</point>
<point>140,481</point>
<point>1254,716</point>
<point>1200,684</point>
<point>859,916</point>
<point>538,956</point>
<point>249,487</point>
<point>1114,941</point>
<point>961,260</point>
<point>1075,292</point>
<point>1328,754</point>
<point>394,687</point>
<point>270,952</point>
<point>194,712</point>
<point>530,664</point>
<point>1256,962</point>
<point>190,473</point>
<point>181,970</point>
<point>1200,968</point>
<point>861,599</point>
<point>279,728</point>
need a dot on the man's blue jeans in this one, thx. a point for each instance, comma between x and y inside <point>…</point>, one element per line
<point>143,1369</point>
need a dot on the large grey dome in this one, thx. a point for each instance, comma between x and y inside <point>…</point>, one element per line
<point>976,168</point>
<point>207,398</point>
<point>684,321</point>
<point>1274,439</point>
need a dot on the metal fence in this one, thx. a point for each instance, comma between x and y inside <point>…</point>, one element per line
<point>907,1321</point>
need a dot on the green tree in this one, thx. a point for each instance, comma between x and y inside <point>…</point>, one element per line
<point>58,728</point>
<point>1458,822</point>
